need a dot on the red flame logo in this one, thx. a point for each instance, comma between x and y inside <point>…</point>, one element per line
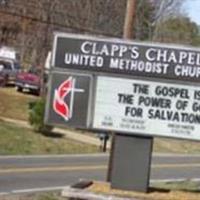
<point>59,105</point>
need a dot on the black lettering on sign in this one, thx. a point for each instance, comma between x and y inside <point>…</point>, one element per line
<point>172,92</point>
<point>167,115</point>
<point>196,107</point>
<point>125,98</point>
<point>196,95</point>
<point>164,115</point>
<point>181,105</point>
<point>140,88</point>
<point>133,112</point>
<point>154,102</point>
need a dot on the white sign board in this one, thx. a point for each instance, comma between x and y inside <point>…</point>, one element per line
<point>147,107</point>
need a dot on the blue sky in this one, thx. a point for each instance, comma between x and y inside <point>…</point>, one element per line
<point>192,8</point>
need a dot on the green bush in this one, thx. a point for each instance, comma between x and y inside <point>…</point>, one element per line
<point>36,116</point>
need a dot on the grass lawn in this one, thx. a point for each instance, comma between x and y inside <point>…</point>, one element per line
<point>163,145</point>
<point>162,191</point>
<point>167,191</point>
<point>35,196</point>
<point>14,104</point>
<point>16,140</point>
<point>181,186</point>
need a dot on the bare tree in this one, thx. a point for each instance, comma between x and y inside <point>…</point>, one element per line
<point>35,21</point>
<point>166,8</point>
<point>163,10</point>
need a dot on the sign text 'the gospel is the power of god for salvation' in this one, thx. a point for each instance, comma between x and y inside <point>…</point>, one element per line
<point>137,106</point>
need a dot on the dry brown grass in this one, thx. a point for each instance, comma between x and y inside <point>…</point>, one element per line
<point>156,194</point>
<point>162,145</point>
<point>34,196</point>
<point>14,104</point>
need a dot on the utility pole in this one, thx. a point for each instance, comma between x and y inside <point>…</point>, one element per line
<point>50,5</point>
<point>129,19</point>
<point>23,38</point>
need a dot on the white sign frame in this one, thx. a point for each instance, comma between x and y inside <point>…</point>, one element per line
<point>110,108</point>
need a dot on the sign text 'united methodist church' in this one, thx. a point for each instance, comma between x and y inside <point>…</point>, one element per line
<point>126,57</point>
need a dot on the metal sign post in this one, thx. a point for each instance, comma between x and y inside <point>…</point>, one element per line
<point>131,162</point>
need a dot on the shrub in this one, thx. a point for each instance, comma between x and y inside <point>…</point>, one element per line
<point>36,116</point>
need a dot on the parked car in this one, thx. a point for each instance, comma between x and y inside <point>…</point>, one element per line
<point>2,80</point>
<point>8,70</point>
<point>29,80</point>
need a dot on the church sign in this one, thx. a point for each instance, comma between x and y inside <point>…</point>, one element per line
<point>124,86</point>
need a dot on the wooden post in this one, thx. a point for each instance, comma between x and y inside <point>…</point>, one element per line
<point>129,19</point>
<point>110,161</point>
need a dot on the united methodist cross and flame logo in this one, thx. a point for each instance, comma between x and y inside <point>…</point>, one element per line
<point>60,106</point>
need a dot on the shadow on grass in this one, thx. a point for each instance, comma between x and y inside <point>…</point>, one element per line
<point>52,134</point>
<point>28,93</point>
<point>187,186</point>
<point>162,190</point>
<point>190,190</point>
<point>159,190</point>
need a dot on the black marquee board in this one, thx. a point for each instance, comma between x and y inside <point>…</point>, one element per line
<point>68,99</point>
<point>116,56</point>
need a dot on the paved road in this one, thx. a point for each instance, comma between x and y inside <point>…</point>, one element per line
<point>19,174</point>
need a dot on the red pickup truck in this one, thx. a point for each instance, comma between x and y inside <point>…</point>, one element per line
<point>29,80</point>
